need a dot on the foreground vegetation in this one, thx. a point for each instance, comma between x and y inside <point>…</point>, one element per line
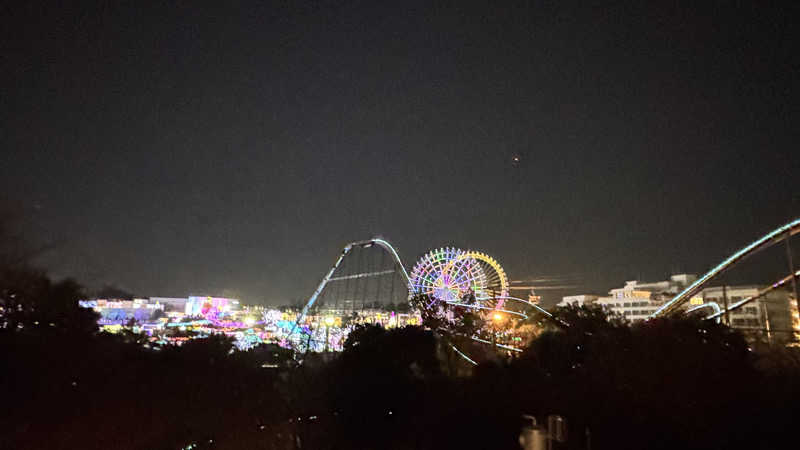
<point>667,383</point>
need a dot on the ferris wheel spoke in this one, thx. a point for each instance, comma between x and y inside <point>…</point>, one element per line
<point>464,264</point>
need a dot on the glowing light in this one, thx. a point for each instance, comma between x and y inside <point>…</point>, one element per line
<point>391,249</point>
<point>329,320</point>
<point>497,317</point>
<point>466,305</point>
<point>507,347</point>
<point>533,305</point>
<point>249,321</point>
<point>467,358</point>
<point>712,305</point>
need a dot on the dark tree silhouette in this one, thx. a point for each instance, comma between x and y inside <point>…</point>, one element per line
<point>31,301</point>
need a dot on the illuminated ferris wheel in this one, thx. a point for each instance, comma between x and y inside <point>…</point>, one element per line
<point>452,275</point>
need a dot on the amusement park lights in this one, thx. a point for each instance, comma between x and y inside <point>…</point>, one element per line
<point>455,284</point>
<point>452,281</point>
<point>451,275</point>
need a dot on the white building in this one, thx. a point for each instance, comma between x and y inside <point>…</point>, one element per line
<point>772,317</point>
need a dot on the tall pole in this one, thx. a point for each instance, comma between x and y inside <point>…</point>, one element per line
<point>791,270</point>
<point>725,300</point>
<point>766,319</point>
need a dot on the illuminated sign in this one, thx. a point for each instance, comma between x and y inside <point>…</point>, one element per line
<point>208,306</point>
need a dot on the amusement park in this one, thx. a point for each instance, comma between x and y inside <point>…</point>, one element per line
<point>368,285</point>
<point>359,225</point>
<point>452,322</point>
<point>464,296</point>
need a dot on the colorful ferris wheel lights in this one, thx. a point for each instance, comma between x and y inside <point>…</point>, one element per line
<point>451,274</point>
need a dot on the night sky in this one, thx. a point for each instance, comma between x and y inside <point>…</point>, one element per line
<point>188,149</point>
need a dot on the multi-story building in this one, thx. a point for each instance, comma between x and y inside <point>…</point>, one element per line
<point>771,318</point>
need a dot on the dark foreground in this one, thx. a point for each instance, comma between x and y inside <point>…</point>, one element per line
<point>669,383</point>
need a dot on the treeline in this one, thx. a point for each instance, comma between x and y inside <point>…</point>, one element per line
<point>667,383</point>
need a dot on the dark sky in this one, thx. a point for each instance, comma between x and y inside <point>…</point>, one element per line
<point>234,149</point>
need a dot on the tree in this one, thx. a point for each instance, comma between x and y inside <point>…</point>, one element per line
<point>32,301</point>
<point>378,375</point>
<point>663,378</point>
<point>28,298</point>
<point>209,351</point>
<point>455,327</point>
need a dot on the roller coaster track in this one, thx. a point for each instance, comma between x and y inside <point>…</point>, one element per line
<point>363,244</point>
<point>768,240</point>
<point>760,294</point>
<point>712,305</point>
<point>396,258</point>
